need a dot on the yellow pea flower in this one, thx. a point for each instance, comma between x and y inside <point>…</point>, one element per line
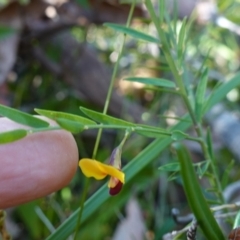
<point>98,170</point>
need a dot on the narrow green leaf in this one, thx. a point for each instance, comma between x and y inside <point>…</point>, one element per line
<point>173,176</point>
<point>69,125</point>
<point>132,32</point>
<point>160,82</point>
<point>21,117</point>
<point>175,167</point>
<point>209,143</point>
<point>202,168</point>
<point>178,135</point>
<point>237,220</point>
<point>182,41</point>
<point>105,119</point>
<point>210,176</point>
<point>11,136</point>
<point>170,167</point>
<point>200,94</point>
<point>30,219</point>
<point>218,94</point>
<point>226,174</point>
<point>68,116</point>
<point>170,33</point>
<point>162,10</point>
<point>211,190</point>
<point>195,197</point>
<point>152,132</point>
<point>182,35</point>
<point>203,64</point>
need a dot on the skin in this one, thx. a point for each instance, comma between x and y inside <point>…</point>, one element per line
<point>36,165</point>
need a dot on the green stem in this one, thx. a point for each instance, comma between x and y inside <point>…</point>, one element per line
<point>127,133</point>
<point>217,181</point>
<point>109,93</point>
<point>159,23</point>
<point>126,128</point>
<point>110,89</point>
<point>35,130</point>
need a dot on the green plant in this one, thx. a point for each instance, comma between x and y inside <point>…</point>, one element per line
<point>172,40</point>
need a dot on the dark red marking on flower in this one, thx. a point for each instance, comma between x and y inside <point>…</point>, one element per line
<point>115,190</point>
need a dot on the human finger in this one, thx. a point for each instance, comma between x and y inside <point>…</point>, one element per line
<point>36,165</point>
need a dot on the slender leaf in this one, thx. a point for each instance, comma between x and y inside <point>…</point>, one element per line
<point>132,32</point>
<point>182,41</point>
<point>209,144</point>
<point>30,219</point>
<point>69,125</point>
<point>152,132</point>
<point>221,92</point>
<point>237,221</point>
<point>178,135</point>
<point>153,81</point>
<point>21,117</point>
<point>170,167</point>
<point>11,136</point>
<point>226,174</point>
<point>195,197</point>
<point>173,176</point>
<point>211,190</point>
<point>200,94</point>
<point>67,116</point>
<point>175,167</point>
<point>105,119</point>
<point>202,168</point>
<point>213,202</point>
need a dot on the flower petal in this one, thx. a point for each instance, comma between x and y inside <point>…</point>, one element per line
<point>98,170</point>
<point>92,168</point>
<point>113,172</point>
<point>116,189</point>
<point>113,182</point>
<point>115,159</point>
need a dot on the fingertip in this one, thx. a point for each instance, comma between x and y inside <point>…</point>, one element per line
<point>36,166</point>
